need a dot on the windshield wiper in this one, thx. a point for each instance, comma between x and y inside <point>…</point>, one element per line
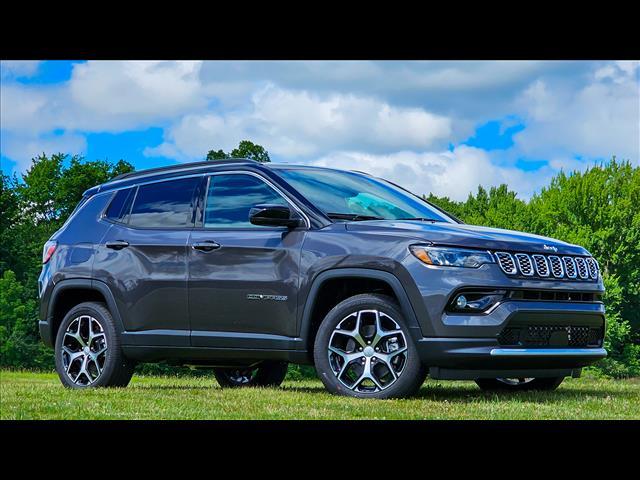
<point>354,217</point>
<point>420,219</point>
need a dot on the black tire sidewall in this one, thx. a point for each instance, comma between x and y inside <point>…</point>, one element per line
<point>116,371</point>
<point>413,373</point>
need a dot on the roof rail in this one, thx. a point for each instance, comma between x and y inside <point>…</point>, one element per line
<point>180,166</point>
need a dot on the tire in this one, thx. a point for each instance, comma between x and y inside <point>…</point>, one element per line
<point>504,385</point>
<point>266,374</point>
<point>391,367</point>
<point>80,368</point>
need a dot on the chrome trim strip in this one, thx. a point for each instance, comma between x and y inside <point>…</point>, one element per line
<point>548,352</point>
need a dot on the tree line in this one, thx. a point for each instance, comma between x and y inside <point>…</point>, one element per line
<point>597,208</point>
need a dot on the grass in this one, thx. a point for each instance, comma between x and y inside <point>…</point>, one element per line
<point>26,395</point>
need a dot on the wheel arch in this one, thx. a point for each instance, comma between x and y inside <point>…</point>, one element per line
<point>313,310</point>
<point>70,292</point>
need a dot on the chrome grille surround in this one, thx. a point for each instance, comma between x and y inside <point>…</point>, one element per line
<point>553,267</point>
<point>524,264</point>
<point>556,266</point>
<point>505,260</point>
<point>570,267</point>
<point>581,266</point>
<point>541,264</point>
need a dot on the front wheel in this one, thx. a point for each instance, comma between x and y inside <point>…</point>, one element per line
<point>364,349</point>
<point>265,374</point>
<point>519,384</point>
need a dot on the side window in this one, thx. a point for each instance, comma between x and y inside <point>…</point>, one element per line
<point>118,210</point>
<point>230,197</point>
<point>166,204</point>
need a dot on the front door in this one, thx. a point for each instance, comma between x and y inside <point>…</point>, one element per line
<point>243,278</point>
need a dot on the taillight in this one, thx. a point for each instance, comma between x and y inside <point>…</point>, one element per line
<point>48,250</point>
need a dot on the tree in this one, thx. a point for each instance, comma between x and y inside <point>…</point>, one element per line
<point>245,149</point>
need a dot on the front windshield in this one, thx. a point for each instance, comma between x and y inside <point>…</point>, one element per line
<point>355,196</point>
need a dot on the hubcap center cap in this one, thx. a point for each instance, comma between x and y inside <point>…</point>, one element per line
<point>369,351</point>
<point>86,350</point>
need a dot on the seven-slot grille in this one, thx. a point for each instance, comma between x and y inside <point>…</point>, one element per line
<point>548,266</point>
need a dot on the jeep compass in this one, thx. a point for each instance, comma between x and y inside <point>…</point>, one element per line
<point>244,268</point>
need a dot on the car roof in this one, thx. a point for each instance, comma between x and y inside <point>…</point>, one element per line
<point>170,171</point>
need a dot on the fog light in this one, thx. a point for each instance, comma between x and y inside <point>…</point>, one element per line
<point>461,301</point>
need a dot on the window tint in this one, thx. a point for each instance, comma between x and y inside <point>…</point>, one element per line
<point>119,207</point>
<point>164,204</point>
<point>230,197</point>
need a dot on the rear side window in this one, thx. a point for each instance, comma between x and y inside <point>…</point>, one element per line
<point>119,207</point>
<point>164,204</point>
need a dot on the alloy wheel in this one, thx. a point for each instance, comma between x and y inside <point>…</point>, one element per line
<point>367,351</point>
<point>84,350</point>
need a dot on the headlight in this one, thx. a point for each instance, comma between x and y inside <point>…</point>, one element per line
<point>451,257</point>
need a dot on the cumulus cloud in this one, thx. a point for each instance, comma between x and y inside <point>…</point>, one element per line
<point>105,96</point>
<point>447,173</point>
<point>298,123</point>
<point>18,68</point>
<point>597,120</point>
<point>22,148</point>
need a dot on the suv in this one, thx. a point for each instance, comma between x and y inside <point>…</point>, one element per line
<point>245,267</point>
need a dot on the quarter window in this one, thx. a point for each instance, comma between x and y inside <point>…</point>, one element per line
<point>230,197</point>
<point>164,204</point>
<point>119,207</point>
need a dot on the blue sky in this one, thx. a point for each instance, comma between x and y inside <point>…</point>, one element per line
<point>441,127</point>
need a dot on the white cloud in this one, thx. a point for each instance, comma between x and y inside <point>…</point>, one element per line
<point>447,173</point>
<point>22,149</point>
<point>106,96</point>
<point>597,120</point>
<point>298,123</point>
<point>142,89</point>
<point>18,68</point>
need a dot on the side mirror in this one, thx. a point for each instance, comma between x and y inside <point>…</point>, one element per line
<point>274,216</point>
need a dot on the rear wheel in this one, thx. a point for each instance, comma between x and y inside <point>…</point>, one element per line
<point>265,374</point>
<point>87,350</point>
<point>519,384</point>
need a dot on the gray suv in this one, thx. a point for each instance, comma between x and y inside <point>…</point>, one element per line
<point>244,267</point>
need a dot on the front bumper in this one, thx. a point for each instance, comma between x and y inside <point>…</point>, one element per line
<point>469,358</point>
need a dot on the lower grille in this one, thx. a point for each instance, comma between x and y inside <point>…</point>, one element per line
<point>551,336</point>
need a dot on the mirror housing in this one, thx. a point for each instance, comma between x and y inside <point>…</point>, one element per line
<point>268,215</point>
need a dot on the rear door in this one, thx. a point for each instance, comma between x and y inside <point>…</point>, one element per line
<point>143,258</point>
<point>243,278</point>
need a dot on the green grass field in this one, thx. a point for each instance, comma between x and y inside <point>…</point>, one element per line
<point>25,395</point>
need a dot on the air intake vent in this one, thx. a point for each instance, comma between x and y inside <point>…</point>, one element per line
<point>570,267</point>
<point>549,266</point>
<point>581,265</point>
<point>592,265</point>
<point>542,267</point>
<point>556,266</point>
<point>505,260</point>
<point>524,264</point>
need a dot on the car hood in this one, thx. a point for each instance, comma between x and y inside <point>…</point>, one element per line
<point>471,236</point>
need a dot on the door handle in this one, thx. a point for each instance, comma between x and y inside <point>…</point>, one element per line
<point>206,246</point>
<point>117,244</point>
